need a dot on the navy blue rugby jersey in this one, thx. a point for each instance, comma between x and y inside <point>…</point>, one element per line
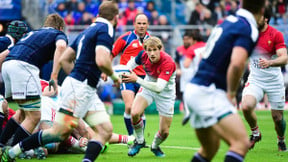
<point>5,43</point>
<point>99,33</point>
<point>240,30</point>
<point>37,47</point>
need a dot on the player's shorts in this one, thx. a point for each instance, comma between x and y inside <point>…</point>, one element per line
<point>49,107</point>
<point>79,97</point>
<point>275,91</point>
<point>131,86</point>
<point>164,101</point>
<point>21,80</point>
<point>207,105</point>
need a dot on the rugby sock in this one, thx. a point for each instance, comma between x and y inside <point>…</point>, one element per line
<point>198,158</point>
<point>34,141</point>
<point>9,130</point>
<point>122,139</point>
<point>128,124</point>
<point>282,127</point>
<point>255,131</point>
<point>144,120</point>
<point>233,157</point>
<point>139,130</point>
<point>158,139</point>
<point>20,134</point>
<point>2,116</point>
<point>93,150</point>
<point>281,139</point>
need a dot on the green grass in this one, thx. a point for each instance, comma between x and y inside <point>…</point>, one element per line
<point>182,144</point>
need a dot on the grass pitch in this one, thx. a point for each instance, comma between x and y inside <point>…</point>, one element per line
<point>181,144</point>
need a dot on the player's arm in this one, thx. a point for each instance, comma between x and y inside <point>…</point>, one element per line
<point>187,62</point>
<point>60,48</point>
<point>279,61</point>
<point>67,60</point>
<point>104,62</point>
<point>3,55</point>
<point>235,70</point>
<point>281,52</point>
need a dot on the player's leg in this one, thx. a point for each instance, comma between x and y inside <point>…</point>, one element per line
<point>232,130</point>
<point>251,95</point>
<point>161,135</point>
<point>61,129</point>
<point>119,138</point>
<point>209,141</point>
<point>32,117</point>
<point>280,127</point>
<point>102,126</point>
<point>12,125</point>
<point>140,103</point>
<point>128,98</point>
<point>276,96</point>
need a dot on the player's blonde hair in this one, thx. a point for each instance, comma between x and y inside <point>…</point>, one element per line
<point>54,21</point>
<point>154,42</point>
<point>108,10</point>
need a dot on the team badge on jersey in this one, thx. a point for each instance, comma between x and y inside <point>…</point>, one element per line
<point>135,45</point>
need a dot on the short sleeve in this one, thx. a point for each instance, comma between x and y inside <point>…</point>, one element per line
<point>166,71</point>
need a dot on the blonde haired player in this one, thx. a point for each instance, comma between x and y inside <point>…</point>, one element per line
<point>159,86</point>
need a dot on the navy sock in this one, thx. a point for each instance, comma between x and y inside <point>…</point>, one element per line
<point>2,116</point>
<point>20,134</point>
<point>8,131</point>
<point>198,158</point>
<point>93,150</point>
<point>233,157</point>
<point>32,142</point>
<point>129,126</point>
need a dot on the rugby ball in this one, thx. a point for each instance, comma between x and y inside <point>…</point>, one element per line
<point>120,70</point>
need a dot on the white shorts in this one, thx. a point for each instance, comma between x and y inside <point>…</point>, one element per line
<point>79,97</point>
<point>49,107</point>
<point>21,79</point>
<point>164,103</point>
<point>207,105</point>
<point>274,90</point>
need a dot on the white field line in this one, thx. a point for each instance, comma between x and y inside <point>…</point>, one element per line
<point>169,147</point>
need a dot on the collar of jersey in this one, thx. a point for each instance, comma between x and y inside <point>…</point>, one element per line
<point>245,13</point>
<point>100,19</point>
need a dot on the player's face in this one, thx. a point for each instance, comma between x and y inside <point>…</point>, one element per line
<point>141,25</point>
<point>153,54</point>
<point>187,41</point>
<point>261,23</point>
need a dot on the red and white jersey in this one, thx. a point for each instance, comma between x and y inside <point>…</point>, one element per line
<point>129,45</point>
<point>269,41</point>
<point>164,69</point>
<point>195,54</point>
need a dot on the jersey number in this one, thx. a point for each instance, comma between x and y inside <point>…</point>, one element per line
<point>215,35</point>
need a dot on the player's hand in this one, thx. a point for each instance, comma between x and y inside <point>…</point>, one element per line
<point>83,142</point>
<point>53,83</point>
<point>117,83</point>
<point>264,63</point>
<point>104,76</point>
<point>232,98</point>
<point>128,78</point>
